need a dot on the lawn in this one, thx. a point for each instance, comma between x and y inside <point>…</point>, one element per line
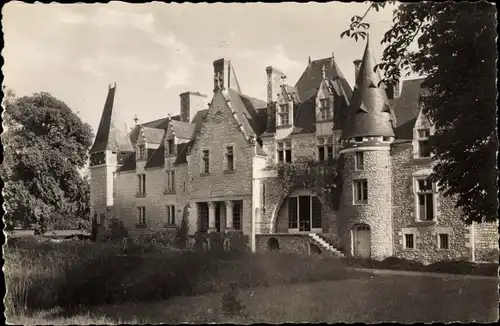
<point>403,299</point>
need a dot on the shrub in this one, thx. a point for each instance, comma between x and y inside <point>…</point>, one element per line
<point>230,304</point>
<point>117,231</point>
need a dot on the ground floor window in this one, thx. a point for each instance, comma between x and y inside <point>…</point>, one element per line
<point>443,240</point>
<point>304,213</point>
<point>237,214</point>
<point>202,217</point>
<point>170,214</point>
<point>141,215</point>
<point>409,241</point>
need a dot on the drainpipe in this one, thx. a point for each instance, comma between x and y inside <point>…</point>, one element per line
<point>472,242</point>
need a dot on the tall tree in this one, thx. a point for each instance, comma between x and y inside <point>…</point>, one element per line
<point>457,54</point>
<point>45,144</point>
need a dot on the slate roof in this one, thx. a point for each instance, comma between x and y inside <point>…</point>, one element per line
<point>407,108</point>
<point>182,150</point>
<point>112,133</point>
<point>308,83</point>
<point>157,124</point>
<point>128,163</point>
<point>157,159</point>
<point>370,112</point>
<point>153,135</point>
<point>183,130</point>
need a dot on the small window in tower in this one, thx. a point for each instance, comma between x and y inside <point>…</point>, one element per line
<point>409,241</point>
<point>358,139</point>
<point>359,161</point>
<point>360,192</point>
<point>443,240</point>
<point>141,152</point>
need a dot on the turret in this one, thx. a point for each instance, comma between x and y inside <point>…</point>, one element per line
<point>111,144</point>
<point>365,144</point>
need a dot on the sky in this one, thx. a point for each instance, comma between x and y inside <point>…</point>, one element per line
<point>156,51</point>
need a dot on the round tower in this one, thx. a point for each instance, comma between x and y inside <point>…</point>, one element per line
<point>366,203</point>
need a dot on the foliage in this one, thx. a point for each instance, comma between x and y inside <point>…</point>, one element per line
<point>230,304</point>
<point>74,273</point>
<point>321,178</point>
<point>457,53</point>
<point>117,230</point>
<point>93,229</point>
<point>45,145</point>
<point>182,230</point>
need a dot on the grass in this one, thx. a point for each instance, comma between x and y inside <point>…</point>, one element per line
<point>404,299</point>
<point>72,275</point>
<point>92,283</point>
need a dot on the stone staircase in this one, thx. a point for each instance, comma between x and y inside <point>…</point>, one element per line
<point>323,243</point>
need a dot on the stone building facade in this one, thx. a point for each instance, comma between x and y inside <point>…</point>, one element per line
<point>217,165</point>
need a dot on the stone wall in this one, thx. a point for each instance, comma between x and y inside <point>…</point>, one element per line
<point>486,241</point>
<point>303,145</point>
<point>404,214</point>
<point>288,243</point>
<point>218,131</point>
<point>377,212</point>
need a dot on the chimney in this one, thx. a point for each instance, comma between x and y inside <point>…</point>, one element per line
<point>224,76</point>
<point>191,103</point>
<point>357,65</point>
<point>274,77</point>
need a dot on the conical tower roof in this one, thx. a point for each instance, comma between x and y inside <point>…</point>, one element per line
<point>369,114</point>
<point>112,133</point>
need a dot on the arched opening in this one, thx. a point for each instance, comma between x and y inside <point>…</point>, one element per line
<point>314,249</point>
<point>361,241</point>
<point>301,211</point>
<point>227,244</point>
<point>273,244</point>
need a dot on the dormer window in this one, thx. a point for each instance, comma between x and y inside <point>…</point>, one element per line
<point>170,146</point>
<point>141,152</point>
<point>284,115</point>
<point>424,148</point>
<point>284,151</point>
<point>324,108</point>
<point>325,148</point>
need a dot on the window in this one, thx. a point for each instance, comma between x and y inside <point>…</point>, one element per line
<point>284,151</point>
<point>141,152</point>
<point>229,158</point>
<point>424,148</point>
<point>409,241</point>
<point>359,163</point>
<point>358,139</point>
<point>425,200</point>
<point>202,217</point>
<point>170,182</point>
<point>206,161</point>
<point>304,213</point>
<point>170,214</point>
<point>292,213</point>
<point>170,146</point>
<point>443,241</point>
<point>284,115</point>
<point>325,112</point>
<point>142,184</point>
<point>184,186</point>
<point>385,138</point>
<point>141,215</point>
<point>325,148</point>
<point>360,192</point>
<point>237,212</point>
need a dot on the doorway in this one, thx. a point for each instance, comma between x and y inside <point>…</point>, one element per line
<point>362,247</point>
<point>273,245</point>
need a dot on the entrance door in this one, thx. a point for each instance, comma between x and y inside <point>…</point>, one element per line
<point>304,213</point>
<point>362,241</point>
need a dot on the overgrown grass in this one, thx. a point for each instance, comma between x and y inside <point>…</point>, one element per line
<point>449,266</point>
<point>72,275</point>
